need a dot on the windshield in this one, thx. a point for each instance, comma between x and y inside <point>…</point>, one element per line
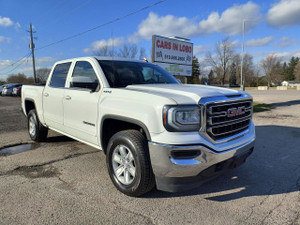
<point>123,73</point>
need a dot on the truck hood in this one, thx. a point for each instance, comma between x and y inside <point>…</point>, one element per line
<point>183,94</point>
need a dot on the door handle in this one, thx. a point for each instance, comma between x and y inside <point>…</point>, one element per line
<point>46,94</point>
<point>68,97</point>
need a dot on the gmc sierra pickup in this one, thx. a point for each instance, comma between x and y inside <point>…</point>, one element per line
<point>153,130</point>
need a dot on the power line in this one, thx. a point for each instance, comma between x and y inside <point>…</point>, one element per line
<point>66,14</point>
<point>102,25</point>
<point>22,62</point>
<point>16,66</point>
<point>42,16</point>
<point>81,33</point>
<point>14,63</point>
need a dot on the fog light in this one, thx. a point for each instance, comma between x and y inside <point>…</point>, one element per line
<point>185,154</point>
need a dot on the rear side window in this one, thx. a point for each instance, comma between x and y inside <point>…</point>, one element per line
<point>59,75</point>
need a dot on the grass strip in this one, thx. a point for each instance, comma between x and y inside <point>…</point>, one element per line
<point>261,107</point>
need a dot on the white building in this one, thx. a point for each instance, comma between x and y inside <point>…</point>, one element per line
<point>290,83</point>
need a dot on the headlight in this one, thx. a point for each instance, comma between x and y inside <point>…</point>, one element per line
<point>182,118</point>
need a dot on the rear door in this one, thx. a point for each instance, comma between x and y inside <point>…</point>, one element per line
<point>81,98</point>
<point>53,96</point>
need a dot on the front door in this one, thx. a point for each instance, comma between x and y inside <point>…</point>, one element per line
<point>80,103</point>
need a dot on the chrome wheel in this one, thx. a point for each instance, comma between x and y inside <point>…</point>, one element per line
<point>123,164</point>
<point>32,126</point>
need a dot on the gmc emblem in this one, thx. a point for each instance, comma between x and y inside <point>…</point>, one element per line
<point>232,112</point>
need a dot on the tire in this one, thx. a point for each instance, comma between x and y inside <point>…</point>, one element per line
<point>128,163</point>
<point>36,130</point>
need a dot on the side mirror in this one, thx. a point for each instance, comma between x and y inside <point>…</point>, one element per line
<point>84,82</point>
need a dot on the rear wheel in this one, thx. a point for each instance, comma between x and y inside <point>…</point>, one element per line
<point>36,130</point>
<point>129,164</point>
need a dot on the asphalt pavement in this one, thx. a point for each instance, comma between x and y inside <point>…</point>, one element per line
<point>62,181</point>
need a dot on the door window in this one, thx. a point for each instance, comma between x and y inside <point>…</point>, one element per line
<point>59,75</point>
<point>84,76</point>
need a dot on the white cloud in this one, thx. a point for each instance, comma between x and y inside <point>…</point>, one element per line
<point>199,49</point>
<point>5,22</point>
<point>285,13</point>
<point>229,22</point>
<point>168,25</point>
<point>286,56</point>
<point>87,50</point>
<point>5,63</point>
<point>27,61</point>
<point>202,59</point>
<point>259,42</point>
<point>26,70</point>
<point>259,54</point>
<point>134,39</point>
<point>112,42</point>
<point>4,39</point>
<point>45,60</point>
<point>38,61</point>
<point>29,70</point>
<point>17,26</point>
<point>235,44</point>
<point>207,69</point>
<point>286,42</point>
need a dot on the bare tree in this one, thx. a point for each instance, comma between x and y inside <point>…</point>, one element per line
<point>42,74</point>
<point>221,58</point>
<point>272,69</point>
<point>211,78</point>
<point>105,51</point>
<point>20,78</point>
<point>248,69</point>
<point>128,51</point>
<point>142,53</point>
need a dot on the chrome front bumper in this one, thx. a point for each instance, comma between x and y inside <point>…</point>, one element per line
<point>169,169</point>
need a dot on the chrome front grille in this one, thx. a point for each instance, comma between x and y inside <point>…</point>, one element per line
<point>226,119</point>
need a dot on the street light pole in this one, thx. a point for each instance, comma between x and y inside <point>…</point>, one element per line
<point>242,61</point>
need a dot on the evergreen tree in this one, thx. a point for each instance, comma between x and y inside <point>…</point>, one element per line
<point>297,72</point>
<point>290,71</point>
<point>211,78</point>
<point>284,71</point>
<point>194,79</point>
<point>232,78</point>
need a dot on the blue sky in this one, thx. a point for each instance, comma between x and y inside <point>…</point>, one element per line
<point>272,27</point>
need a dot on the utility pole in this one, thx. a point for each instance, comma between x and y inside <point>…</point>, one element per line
<point>31,46</point>
<point>241,84</point>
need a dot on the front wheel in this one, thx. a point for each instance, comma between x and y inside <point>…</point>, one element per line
<point>36,130</point>
<point>129,164</point>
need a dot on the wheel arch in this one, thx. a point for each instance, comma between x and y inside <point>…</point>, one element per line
<point>29,104</point>
<point>111,124</point>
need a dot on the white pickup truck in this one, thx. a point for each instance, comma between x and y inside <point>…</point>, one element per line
<point>153,130</point>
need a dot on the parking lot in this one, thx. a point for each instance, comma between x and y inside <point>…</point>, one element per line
<point>62,181</point>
